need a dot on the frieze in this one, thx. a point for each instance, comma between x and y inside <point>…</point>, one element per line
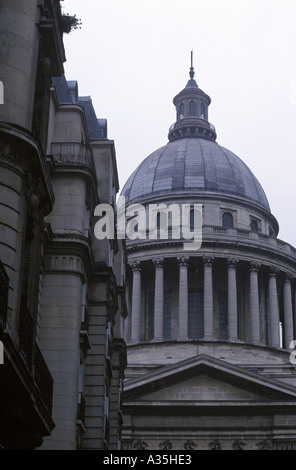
<point>217,444</point>
<point>7,152</point>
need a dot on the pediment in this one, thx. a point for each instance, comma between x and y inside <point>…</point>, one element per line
<point>204,379</point>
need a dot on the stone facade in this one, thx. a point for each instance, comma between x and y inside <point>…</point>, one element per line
<point>62,290</point>
<point>210,331</point>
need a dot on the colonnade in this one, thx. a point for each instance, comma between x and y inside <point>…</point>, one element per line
<point>208,310</point>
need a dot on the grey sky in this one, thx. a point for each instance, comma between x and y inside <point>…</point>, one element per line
<point>132,57</point>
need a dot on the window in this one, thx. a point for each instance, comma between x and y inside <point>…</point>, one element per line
<point>223,315</point>
<point>150,316</point>
<point>192,108</point>
<point>167,316</point>
<point>181,111</point>
<point>271,232</point>
<point>195,315</point>
<point>227,220</point>
<point>202,110</point>
<point>254,225</point>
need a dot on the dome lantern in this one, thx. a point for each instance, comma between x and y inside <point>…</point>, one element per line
<point>192,112</point>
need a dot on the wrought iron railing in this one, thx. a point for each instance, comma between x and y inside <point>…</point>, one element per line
<point>43,379</point>
<point>33,357</point>
<point>26,334</point>
<point>73,154</point>
<point>4,287</point>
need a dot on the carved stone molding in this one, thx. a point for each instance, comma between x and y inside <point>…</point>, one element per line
<point>7,152</point>
<point>208,260</point>
<point>140,445</point>
<point>255,266</point>
<point>166,445</point>
<point>273,271</point>
<point>215,445</point>
<point>158,263</point>
<point>289,277</point>
<point>190,445</point>
<point>135,265</point>
<point>264,445</point>
<point>232,262</point>
<point>183,261</point>
<point>64,263</point>
<point>238,444</point>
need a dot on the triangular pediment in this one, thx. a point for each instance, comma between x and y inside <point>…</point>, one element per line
<point>202,387</point>
<point>204,379</point>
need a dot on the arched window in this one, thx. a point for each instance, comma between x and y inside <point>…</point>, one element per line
<point>202,110</point>
<point>192,108</point>
<point>181,115</point>
<point>227,220</point>
<point>254,226</point>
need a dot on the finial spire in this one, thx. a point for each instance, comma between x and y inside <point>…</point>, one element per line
<point>191,73</point>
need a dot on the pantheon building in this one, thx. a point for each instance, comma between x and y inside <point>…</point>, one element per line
<point>210,359</point>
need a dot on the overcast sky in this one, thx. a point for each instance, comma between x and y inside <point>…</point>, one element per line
<point>133,56</point>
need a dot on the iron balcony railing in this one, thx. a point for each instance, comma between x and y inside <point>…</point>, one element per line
<point>26,334</point>
<point>73,154</point>
<point>43,378</point>
<point>4,287</point>
<point>33,356</point>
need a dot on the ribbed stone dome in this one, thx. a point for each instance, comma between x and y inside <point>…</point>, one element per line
<point>193,166</point>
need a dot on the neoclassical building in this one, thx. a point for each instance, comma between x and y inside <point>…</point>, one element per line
<point>210,329</point>
<point>62,297</point>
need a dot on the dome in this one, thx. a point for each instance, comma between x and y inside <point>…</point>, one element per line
<point>197,167</point>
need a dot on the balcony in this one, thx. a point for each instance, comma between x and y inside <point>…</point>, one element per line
<point>73,154</point>
<point>33,358</point>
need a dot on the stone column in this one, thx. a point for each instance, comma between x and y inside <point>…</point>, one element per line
<point>232,299</point>
<point>136,301</point>
<point>254,302</point>
<point>288,312</point>
<point>208,298</point>
<point>158,299</point>
<point>183,263</point>
<point>274,318</point>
